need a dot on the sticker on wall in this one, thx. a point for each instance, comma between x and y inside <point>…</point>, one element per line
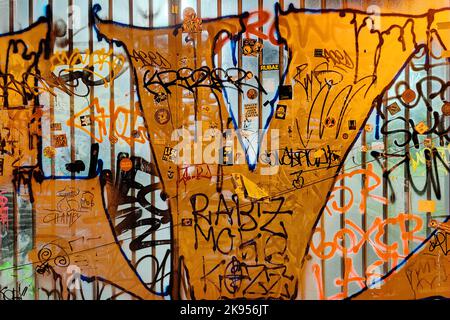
<point>280,112</point>
<point>135,134</point>
<point>446,109</point>
<point>408,96</point>
<point>269,67</point>
<point>351,124</point>
<point>285,92</point>
<point>428,143</point>
<point>377,145</point>
<point>49,152</point>
<point>368,127</point>
<point>213,125</point>
<point>169,154</point>
<point>160,97</point>
<point>421,127</point>
<point>170,173</point>
<point>251,47</point>
<point>246,188</point>
<point>319,153</point>
<point>426,206</point>
<point>87,200</point>
<point>162,116</point>
<point>60,141</point>
<point>56,126</point>
<point>126,164</point>
<point>330,122</point>
<point>227,155</point>
<point>252,94</point>
<point>442,226</point>
<point>251,110</point>
<point>85,121</point>
<point>393,108</point>
<point>191,23</point>
<point>318,53</point>
<point>246,124</point>
<point>159,141</point>
<point>186,222</point>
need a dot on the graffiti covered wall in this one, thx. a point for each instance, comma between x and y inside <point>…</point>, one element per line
<point>197,149</point>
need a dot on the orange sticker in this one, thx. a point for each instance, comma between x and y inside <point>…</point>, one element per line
<point>319,153</point>
<point>126,164</point>
<point>446,109</point>
<point>426,206</point>
<point>421,127</point>
<point>49,152</point>
<point>408,96</point>
<point>368,127</point>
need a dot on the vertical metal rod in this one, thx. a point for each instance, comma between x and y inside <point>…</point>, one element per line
<point>342,216</point>
<point>407,195</point>
<point>91,98</point>
<point>33,211</point>
<point>173,19</point>
<point>111,121</point>
<point>239,48</point>
<point>363,185</point>
<point>132,122</point>
<point>15,195</point>
<point>71,26</point>
<point>52,141</point>
<point>428,64</point>
<point>260,76</point>
<point>385,185</point>
<point>152,159</point>
<point>72,97</point>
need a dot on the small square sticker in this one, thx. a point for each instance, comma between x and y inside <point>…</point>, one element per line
<point>169,154</point>
<point>428,143</point>
<point>421,127</point>
<point>351,124</point>
<point>56,126</point>
<point>186,222</point>
<point>227,156</point>
<point>285,92</point>
<point>318,53</point>
<point>426,206</point>
<point>393,108</point>
<point>60,141</point>
<point>85,121</point>
<point>280,112</point>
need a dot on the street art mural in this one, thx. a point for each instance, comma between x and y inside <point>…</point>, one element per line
<point>224,149</point>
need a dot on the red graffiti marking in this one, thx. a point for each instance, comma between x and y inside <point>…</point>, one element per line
<point>198,171</point>
<point>253,28</point>
<point>4,211</point>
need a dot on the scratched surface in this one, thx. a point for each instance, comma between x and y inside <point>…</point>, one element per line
<point>224,149</point>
